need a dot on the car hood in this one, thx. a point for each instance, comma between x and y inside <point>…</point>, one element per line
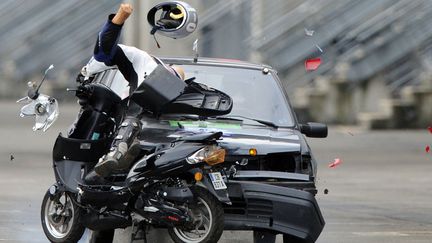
<point>237,138</point>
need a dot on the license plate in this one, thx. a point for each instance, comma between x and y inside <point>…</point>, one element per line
<point>217,180</point>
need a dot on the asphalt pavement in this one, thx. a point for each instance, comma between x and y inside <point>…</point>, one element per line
<point>381,192</point>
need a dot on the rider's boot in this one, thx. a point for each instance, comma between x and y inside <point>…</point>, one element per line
<point>124,149</point>
<point>94,179</point>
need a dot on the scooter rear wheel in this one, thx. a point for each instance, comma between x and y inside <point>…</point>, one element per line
<point>60,219</point>
<point>209,218</point>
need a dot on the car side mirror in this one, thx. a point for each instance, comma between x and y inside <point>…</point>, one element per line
<point>314,130</point>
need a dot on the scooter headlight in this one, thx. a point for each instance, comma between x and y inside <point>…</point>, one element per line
<point>212,155</point>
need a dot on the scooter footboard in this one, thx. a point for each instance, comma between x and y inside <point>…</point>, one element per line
<point>101,196</point>
<point>280,209</point>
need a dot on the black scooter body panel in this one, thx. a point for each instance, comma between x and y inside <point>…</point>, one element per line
<point>74,158</point>
<point>164,163</point>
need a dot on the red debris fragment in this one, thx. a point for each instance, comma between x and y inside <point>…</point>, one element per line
<point>430,129</point>
<point>312,64</point>
<point>335,163</point>
<point>427,149</point>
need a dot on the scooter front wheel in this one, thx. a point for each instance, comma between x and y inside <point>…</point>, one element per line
<point>60,219</point>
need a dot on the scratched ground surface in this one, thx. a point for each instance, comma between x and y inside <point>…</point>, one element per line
<point>381,192</point>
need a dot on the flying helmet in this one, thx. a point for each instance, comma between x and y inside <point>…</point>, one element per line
<point>173,19</point>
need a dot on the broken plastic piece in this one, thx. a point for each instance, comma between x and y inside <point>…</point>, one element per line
<point>312,64</point>
<point>195,49</point>
<point>319,48</point>
<point>195,46</point>
<point>309,32</point>
<point>335,163</point>
<point>12,157</point>
<point>427,149</point>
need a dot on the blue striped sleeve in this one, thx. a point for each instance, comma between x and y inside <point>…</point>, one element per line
<point>106,45</point>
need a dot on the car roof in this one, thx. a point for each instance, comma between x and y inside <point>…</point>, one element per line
<point>221,62</point>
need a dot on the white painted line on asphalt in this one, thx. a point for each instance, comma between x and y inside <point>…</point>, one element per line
<point>361,223</point>
<point>10,211</point>
<point>419,232</point>
<point>383,233</point>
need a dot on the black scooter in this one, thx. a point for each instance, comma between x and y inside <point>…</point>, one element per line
<point>178,186</point>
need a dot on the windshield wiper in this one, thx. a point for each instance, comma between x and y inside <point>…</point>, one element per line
<point>240,118</point>
<point>181,117</point>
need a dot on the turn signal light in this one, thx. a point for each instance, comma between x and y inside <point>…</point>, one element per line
<point>215,157</point>
<point>252,152</point>
<point>198,176</point>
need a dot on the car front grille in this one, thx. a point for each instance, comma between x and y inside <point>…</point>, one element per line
<point>283,162</point>
<point>260,208</point>
<point>238,206</point>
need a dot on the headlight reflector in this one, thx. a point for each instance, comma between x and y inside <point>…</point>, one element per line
<point>212,155</point>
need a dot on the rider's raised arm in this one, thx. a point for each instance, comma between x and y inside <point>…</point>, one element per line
<point>124,11</point>
<point>106,44</point>
<point>132,62</point>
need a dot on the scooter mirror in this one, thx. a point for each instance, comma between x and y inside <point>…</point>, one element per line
<point>44,108</point>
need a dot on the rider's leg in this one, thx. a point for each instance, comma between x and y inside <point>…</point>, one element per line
<point>124,145</point>
<point>117,158</point>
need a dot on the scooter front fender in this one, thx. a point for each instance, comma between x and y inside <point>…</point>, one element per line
<point>221,195</point>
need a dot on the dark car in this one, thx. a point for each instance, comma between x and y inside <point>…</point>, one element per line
<point>270,169</point>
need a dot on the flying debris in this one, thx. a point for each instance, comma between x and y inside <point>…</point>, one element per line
<point>430,129</point>
<point>326,191</point>
<point>335,163</point>
<point>195,46</point>
<point>309,32</point>
<point>312,64</point>
<point>195,49</point>
<point>427,149</point>
<point>319,48</point>
<point>12,157</point>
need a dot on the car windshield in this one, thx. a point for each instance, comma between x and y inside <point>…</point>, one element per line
<point>255,95</point>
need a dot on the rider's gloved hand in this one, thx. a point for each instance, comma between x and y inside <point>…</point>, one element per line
<point>80,78</point>
<point>124,11</point>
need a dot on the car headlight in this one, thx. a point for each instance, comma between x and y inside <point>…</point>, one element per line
<point>212,155</point>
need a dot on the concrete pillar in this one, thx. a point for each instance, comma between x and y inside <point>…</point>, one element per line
<point>137,30</point>
<point>423,101</point>
<point>256,22</point>
<point>420,97</point>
